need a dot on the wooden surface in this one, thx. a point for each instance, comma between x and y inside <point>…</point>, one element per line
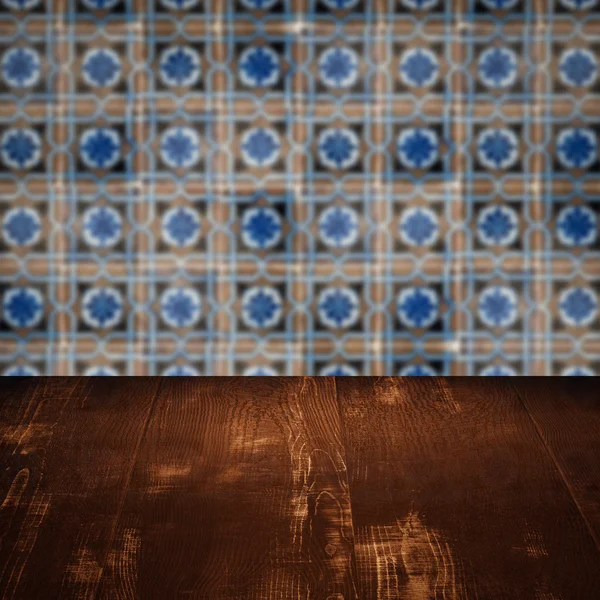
<point>299,488</point>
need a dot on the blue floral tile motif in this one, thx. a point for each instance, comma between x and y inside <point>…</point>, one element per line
<point>261,228</point>
<point>578,306</point>
<point>181,227</point>
<point>234,188</point>
<point>102,308</point>
<point>497,148</point>
<point>260,147</point>
<point>339,227</point>
<point>180,147</point>
<point>101,68</point>
<point>498,226</point>
<point>419,226</point>
<point>100,148</point>
<point>498,67</point>
<point>180,66</point>
<point>577,148</point>
<point>338,148</point>
<point>21,67</point>
<point>577,226</point>
<point>102,227</point>
<point>20,148</point>
<point>262,307</point>
<point>578,67</point>
<point>498,306</point>
<point>21,227</point>
<point>419,67</point>
<point>180,306</point>
<point>338,67</point>
<point>23,307</point>
<point>418,307</point>
<point>338,307</point>
<point>418,148</point>
<point>259,67</point>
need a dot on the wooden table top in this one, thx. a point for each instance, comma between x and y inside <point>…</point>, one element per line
<point>300,488</point>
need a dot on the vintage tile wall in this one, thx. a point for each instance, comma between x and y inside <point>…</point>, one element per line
<point>299,187</point>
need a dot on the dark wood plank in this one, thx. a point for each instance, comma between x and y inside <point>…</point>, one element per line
<point>239,492</point>
<point>566,413</point>
<point>454,496</point>
<point>67,455</point>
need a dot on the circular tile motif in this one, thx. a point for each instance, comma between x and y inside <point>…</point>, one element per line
<point>418,148</point>
<point>180,227</point>
<point>102,307</point>
<point>261,147</point>
<point>419,4</point>
<point>340,4</point>
<point>101,372</point>
<point>500,4</point>
<point>21,227</point>
<point>100,4</point>
<point>578,67</point>
<point>498,306</point>
<point>262,307</point>
<point>338,371</point>
<point>338,307</point>
<point>261,371</point>
<point>179,4</point>
<point>417,371</point>
<point>497,226</point>
<point>259,4</point>
<point>21,67</point>
<point>498,371</point>
<point>180,147</point>
<point>179,66</point>
<point>261,228</point>
<point>338,67</point>
<point>497,148</point>
<point>259,67</point>
<point>21,4</point>
<point>579,4</point>
<point>419,226</point>
<point>339,227</point>
<point>418,307</point>
<point>102,227</point>
<point>21,371</point>
<point>100,148</point>
<point>180,371</point>
<point>338,148</point>
<point>497,67</point>
<point>419,67</point>
<point>577,226</point>
<point>23,307</point>
<point>180,306</point>
<point>577,306</point>
<point>20,149</point>
<point>101,67</point>
<point>577,148</point>
<point>578,372</point>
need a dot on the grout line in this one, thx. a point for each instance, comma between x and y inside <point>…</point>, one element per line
<point>561,472</point>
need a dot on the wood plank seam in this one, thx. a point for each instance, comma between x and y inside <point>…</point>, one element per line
<point>560,470</point>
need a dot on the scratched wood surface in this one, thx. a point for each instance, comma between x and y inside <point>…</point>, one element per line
<point>299,488</point>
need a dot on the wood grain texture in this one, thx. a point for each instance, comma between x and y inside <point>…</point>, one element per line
<point>67,449</point>
<point>240,491</point>
<point>299,488</point>
<point>566,413</point>
<point>454,495</point>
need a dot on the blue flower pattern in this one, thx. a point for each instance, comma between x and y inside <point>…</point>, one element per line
<point>337,177</point>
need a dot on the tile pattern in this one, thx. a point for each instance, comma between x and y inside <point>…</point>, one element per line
<point>299,186</point>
